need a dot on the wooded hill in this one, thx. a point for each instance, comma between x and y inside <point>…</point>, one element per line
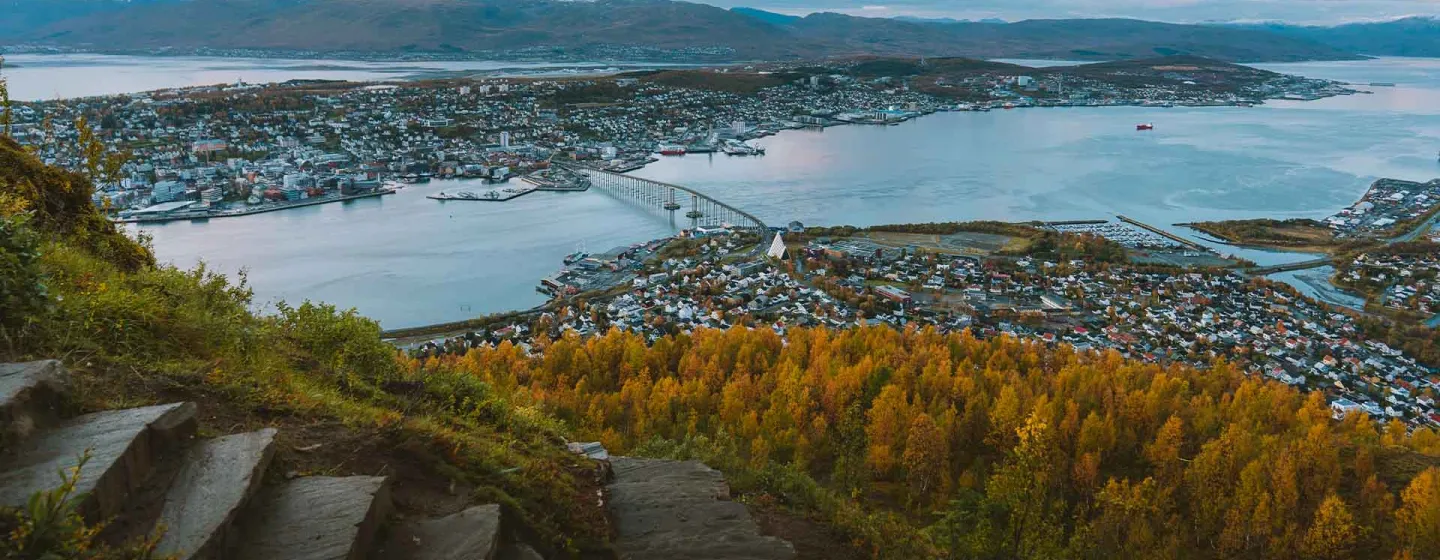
<point>650,28</point>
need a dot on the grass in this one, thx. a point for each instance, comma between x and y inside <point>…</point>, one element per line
<point>1295,235</point>
<point>136,333</point>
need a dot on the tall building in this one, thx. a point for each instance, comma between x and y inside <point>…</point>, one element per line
<point>168,191</point>
<point>504,139</point>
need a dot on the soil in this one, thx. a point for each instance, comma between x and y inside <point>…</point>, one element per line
<point>812,540</point>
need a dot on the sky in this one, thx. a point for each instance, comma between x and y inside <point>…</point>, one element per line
<point>1292,11</point>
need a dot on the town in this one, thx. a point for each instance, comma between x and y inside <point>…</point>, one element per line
<point>237,149</point>
<point>1082,285</point>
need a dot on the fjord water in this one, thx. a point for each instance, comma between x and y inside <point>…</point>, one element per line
<point>407,260</point>
<point>35,77</point>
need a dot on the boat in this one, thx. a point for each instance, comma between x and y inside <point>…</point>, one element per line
<point>1144,126</point>
<point>575,257</point>
<point>672,150</point>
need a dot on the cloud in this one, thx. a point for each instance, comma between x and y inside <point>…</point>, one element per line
<point>1293,11</point>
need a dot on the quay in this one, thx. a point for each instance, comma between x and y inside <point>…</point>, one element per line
<point>272,207</point>
<point>1162,233</point>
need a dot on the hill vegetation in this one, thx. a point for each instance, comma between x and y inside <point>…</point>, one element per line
<point>134,332</point>
<point>1293,233</point>
<point>911,444</point>
<point>921,445</point>
<point>552,28</point>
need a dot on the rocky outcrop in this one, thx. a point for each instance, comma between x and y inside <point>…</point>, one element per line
<point>681,510</point>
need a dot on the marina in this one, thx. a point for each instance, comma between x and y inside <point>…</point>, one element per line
<point>496,195</point>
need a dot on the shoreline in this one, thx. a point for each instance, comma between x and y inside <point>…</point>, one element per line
<point>251,212</point>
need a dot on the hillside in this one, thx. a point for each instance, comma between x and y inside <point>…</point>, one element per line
<point>902,444</point>
<point>134,333</point>
<point>1413,36</point>
<point>650,28</point>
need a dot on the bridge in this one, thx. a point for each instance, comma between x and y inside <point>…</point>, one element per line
<point>1302,265</point>
<point>698,208</point>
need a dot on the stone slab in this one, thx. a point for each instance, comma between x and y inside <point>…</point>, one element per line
<point>472,534</point>
<point>123,445</point>
<point>30,395</point>
<point>315,518</point>
<point>681,510</point>
<point>217,478</point>
<point>519,551</point>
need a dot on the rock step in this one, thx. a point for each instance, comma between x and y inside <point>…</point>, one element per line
<point>30,396</point>
<point>315,518</point>
<point>123,447</point>
<point>681,510</point>
<point>472,534</point>
<point>217,478</point>
<point>518,551</point>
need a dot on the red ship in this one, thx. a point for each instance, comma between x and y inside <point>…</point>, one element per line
<point>672,150</point>
<point>1145,126</point>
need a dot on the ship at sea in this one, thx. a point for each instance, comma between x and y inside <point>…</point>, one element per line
<point>1144,126</point>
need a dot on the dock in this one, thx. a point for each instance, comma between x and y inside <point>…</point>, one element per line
<point>488,196</point>
<point>1162,233</point>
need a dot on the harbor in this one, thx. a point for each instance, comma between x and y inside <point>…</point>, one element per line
<point>496,195</point>
<point>183,211</point>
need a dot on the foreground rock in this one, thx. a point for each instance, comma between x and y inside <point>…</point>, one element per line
<point>123,447</point>
<point>681,510</point>
<point>472,534</point>
<point>216,480</point>
<point>316,518</point>
<point>30,393</point>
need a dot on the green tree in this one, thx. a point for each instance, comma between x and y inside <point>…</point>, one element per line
<point>6,118</point>
<point>91,148</point>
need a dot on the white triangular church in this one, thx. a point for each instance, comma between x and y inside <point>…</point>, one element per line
<point>777,248</point>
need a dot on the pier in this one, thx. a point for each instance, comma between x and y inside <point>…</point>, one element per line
<point>487,196</point>
<point>1162,233</point>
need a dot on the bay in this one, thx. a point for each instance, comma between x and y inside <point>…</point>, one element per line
<point>407,261</point>
<point>35,77</point>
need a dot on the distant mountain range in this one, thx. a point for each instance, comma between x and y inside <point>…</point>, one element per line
<point>1413,36</point>
<point>537,27</point>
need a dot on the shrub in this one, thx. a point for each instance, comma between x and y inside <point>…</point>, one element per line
<point>23,294</point>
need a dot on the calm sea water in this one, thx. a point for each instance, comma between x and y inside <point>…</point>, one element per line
<point>407,260</point>
<point>36,77</point>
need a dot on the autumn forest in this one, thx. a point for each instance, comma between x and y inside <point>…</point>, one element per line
<point>920,444</point>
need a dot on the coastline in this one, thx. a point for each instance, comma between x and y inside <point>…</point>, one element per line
<point>251,211</point>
